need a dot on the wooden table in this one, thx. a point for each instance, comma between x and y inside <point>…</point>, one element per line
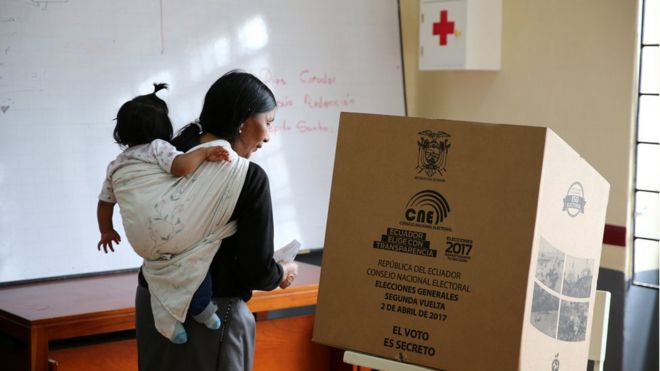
<point>41,312</point>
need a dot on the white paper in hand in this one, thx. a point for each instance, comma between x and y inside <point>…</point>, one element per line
<point>287,252</point>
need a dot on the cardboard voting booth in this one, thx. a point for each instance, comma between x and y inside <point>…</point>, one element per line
<point>460,246</point>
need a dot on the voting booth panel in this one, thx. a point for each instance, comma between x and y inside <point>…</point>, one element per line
<point>460,246</point>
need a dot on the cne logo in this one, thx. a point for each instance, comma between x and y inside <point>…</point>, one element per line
<point>427,207</point>
<point>432,154</point>
<point>574,201</point>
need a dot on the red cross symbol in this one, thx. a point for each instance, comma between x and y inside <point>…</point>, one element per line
<point>443,28</point>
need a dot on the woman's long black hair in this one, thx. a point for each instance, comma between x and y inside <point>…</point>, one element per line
<point>232,99</point>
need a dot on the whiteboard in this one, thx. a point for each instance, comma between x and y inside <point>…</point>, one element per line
<point>67,65</point>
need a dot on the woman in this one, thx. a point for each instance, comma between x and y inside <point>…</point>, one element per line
<point>238,109</point>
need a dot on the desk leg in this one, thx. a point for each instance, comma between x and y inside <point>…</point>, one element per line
<point>38,349</point>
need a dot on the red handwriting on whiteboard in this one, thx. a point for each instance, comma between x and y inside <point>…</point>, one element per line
<point>323,102</point>
<point>278,128</point>
<point>286,102</point>
<point>308,127</point>
<point>267,76</point>
<point>307,77</point>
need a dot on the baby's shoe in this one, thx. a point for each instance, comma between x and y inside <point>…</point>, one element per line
<point>179,336</point>
<point>213,322</point>
<point>208,317</point>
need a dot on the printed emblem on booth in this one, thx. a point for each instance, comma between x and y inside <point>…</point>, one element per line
<point>432,153</point>
<point>574,201</point>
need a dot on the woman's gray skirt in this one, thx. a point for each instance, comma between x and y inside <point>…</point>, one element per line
<point>231,348</point>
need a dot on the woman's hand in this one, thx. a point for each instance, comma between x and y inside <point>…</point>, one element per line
<point>290,272</point>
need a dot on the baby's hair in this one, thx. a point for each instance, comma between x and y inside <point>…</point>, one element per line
<point>143,119</point>
<point>153,99</point>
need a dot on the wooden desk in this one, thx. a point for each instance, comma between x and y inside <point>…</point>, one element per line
<point>41,312</point>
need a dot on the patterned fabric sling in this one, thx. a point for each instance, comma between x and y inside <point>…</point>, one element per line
<point>176,225</point>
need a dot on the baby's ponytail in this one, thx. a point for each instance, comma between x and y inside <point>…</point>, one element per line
<point>159,86</point>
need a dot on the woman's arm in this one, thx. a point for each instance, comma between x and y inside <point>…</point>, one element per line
<point>245,260</point>
<point>255,235</point>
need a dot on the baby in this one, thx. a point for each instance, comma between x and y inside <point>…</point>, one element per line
<point>144,129</point>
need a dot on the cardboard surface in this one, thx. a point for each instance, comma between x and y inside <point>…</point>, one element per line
<point>460,246</point>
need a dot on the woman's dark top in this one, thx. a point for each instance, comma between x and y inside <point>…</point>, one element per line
<point>244,261</point>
